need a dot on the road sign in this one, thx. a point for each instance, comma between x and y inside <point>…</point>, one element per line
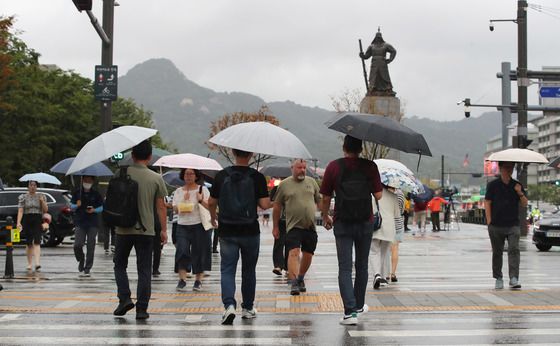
<point>549,91</point>
<point>105,85</point>
<point>117,157</point>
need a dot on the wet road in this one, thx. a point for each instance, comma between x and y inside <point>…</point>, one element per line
<point>444,295</point>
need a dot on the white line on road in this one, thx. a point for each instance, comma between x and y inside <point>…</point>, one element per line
<point>23,340</point>
<point>462,332</point>
<point>67,304</point>
<point>10,317</point>
<point>92,327</point>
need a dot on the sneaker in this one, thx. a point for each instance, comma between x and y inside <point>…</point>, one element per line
<point>229,315</point>
<point>197,286</point>
<point>514,283</point>
<point>363,310</point>
<point>499,284</point>
<point>181,285</point>
<point>295,288</point>
<point>107,251</point>
<point>376,281</point>
<point>277,271</point>
<point>301,285</point>
<point>85,274</point>
<point>123,307</point>
<point>156,273</point>
<point>249,314</point>
<point>349,320</point>
<point>394,278</point>
<point>142,314</point>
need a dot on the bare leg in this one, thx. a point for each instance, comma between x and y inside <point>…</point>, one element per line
<point>29,253</point>
<point>182,274</point>
<point>305,262</point>
<point>293,263</point>
<point>394,257</point>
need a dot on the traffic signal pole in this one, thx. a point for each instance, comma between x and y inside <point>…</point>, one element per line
<point>107,60</point>
<point>522,84</point>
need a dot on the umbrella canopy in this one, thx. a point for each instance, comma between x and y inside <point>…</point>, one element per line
<point>381,130</point>
<point>96,170</point>
<point>427,195</point>
<point>192,161</point>
<point>41,178</point>
<point>387,163</point>
<point>172,178</point>
<point>399,179</point>
<point>108,144</point>
<point>517,155</point>
<point>262,138</point>
<point>157,153</point>
<point>283,171</point>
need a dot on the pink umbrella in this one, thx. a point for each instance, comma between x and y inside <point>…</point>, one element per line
<point>188,161</point>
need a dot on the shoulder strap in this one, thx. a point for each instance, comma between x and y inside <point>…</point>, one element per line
<point>341,170</point>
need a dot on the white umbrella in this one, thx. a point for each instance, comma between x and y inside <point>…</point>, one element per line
<point>387,163</point>
<point>192,161</point>
<point>108,144</point>
<point>41,178</point>
<point>517,155</point>
<point>262,138</point>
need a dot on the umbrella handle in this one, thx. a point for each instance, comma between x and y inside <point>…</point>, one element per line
<point>419,158</point>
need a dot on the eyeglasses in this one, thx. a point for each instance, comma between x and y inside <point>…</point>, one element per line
<point>189,173</point>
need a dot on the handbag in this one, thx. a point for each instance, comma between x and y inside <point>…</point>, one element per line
<point>204,216</point>
<point>377,219</point>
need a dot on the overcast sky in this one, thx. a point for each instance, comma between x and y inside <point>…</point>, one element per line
<point>304,50</point>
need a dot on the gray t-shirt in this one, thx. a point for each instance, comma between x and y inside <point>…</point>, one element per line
<point>299,199</point>
<point>150,187</point>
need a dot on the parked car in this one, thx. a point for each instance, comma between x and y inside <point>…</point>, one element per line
<point>58,201</point>
<point>546,231</point>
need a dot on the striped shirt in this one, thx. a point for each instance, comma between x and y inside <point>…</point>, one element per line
<point>399,221</point>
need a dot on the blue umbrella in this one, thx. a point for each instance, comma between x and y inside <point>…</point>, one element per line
<point>172,178</point>
<point>424,197</point>
<point>96,170</point>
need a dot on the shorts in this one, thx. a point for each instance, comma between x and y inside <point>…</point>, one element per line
<point>306,239</point>
<point>32,228</point>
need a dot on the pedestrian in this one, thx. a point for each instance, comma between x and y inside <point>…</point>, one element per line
<point>298,195</point>
<point>503,197</point>
<point>353,180</point>
<point>406,212</point>
<point>385,236</point>
<point>151,187</point>
<point>419,218</point>
<point>237,191</point>
<point>86,203</point>
<point>435,208</point>
<point>399,234</point>
<point>191,235</point>
<point>279,252</point>
<point>31,207</point>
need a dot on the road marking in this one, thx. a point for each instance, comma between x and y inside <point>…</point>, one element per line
<point>10,317</point>
<point>92,327</point>
<point>23,340</point>
<point>460,332</point>
<point>67,304</point>
<point>492,298</point>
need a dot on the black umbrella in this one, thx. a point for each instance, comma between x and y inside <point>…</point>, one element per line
<point>555,163</point>
<point>283,171</point>
<point>381,130</point>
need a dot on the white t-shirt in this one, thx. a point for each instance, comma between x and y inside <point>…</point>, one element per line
<point>190,202</point>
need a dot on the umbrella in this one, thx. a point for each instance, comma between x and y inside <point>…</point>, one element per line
<point>108,144</point>
<point>517,155</point>
<point>96,170</point>
<point>386,163</point>
<point>157,153</point>
<point>427,195</point>
<point>283,171</point>
<point>172,178</point>
<point>263,138</point>
<point>555,163</point>
<point>381,130</point>
<point>192,161</point>
<point>41,178</point>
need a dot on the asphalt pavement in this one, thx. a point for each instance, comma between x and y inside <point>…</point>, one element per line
<point>445,295</point>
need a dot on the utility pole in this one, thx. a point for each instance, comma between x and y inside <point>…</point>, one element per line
<point>107,60</point>
<point>522,84</point>
<point>442,172</point>
<point>506,100</point>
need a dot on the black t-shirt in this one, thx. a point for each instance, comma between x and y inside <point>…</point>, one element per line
<point>261,191</point>
<point>505,202</point>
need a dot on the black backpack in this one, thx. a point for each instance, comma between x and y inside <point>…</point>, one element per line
<point>353,194</point>
<point>237,203</point>
<point>121,201</point>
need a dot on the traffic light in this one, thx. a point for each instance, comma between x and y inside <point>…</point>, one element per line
<point>82,5</point>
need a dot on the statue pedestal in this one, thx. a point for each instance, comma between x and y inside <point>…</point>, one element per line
<point>388,106</point>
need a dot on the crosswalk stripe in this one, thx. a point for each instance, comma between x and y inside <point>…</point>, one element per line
<point>58,340</point>
<point>91,327</point>
<point>452,332</point>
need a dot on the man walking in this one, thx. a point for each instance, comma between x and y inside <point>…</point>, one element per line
<point>237,191</point>
<point>151,189</point>
<point>354,180</point>
<point>299,196</point>
<point>503,197</point>
<point>86,204</point>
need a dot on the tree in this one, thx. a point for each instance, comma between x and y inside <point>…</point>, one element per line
<point>549,193</point>
<point>263,114</point>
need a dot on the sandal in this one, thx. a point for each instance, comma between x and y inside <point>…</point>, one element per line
<point>38,268</point>
<point>394,278</point>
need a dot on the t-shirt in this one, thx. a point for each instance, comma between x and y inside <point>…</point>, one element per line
<point>88,198</point>
<point>150,187</point>
<point>192,217</point>
<point>30,203</point>
<point>299,200</point>
<point>330,178</point>
<point>261,191</point>
<point>505,202</point>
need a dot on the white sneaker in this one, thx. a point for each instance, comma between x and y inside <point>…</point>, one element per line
<point>229,315</point>
<point>349,320</point>
<point>249,314</point>
<point>363,310</point>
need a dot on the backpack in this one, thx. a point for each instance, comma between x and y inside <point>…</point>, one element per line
<point>121,201</point>
<point>353,194</point>
<point>237,203</point>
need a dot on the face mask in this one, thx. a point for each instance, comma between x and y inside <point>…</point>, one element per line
<point>87,186</point>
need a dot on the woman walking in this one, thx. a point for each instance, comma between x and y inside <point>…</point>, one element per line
<point>31,207</point>
<point>191,234</point>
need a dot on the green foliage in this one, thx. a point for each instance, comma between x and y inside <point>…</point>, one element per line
<point>549,193</point>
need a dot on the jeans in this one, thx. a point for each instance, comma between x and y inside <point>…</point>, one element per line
<point>279,253</point>
<point>348,235</point>
<point>230,247</point>
<point>190,248</point>
<point>143,246</point>
<point>498,235</point>
<point>81,234</point>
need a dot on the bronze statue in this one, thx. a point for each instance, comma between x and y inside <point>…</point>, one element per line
<point>379,80</point>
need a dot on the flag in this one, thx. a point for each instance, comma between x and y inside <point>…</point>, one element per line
<point>466,161</point>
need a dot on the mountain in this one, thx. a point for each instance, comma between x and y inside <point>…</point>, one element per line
<point>182,112</point>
